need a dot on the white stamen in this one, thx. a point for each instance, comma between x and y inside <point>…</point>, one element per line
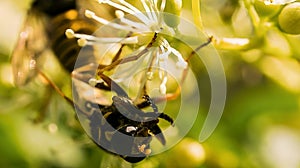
<point>153,10</point>
<point>70,33</point>
<point>139,26</point>
<point>162,87</point>
<point>89,14</point>
<point>93,82</point>
<point>148,12</point>
<point>87,39</point>
<point>129,40</point>
<point>181,62</point>
<point>118,6</point>
<point>161,10</point>
<point>162,6</point>
<point>92,15</point>
<point>165,43</point>
<point>119,14</point>
<point>82,42</point>
<point>165,54</point>
<point>161,72</point>
<point>136,12</point>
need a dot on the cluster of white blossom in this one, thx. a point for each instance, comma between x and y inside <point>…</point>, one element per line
<point>145,22</point>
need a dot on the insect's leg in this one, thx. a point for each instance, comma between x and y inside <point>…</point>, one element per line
<point>152,116</point>
<point>55,87</point>
<point>112,85</point>
<point>167,118</point>
<point>148,102</point>
<point>174,95</point>
<point>155,130</point>
<point>158,134</point>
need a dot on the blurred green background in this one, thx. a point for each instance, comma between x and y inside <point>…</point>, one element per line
<point>259,128</point>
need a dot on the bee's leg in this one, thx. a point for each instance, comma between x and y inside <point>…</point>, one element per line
<point>174,95</point>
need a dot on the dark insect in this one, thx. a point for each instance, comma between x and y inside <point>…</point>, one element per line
<point>123,128</point>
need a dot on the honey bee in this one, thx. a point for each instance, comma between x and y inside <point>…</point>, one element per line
<point>44,28</point>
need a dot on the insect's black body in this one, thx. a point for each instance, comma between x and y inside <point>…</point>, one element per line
<point>123,128</point>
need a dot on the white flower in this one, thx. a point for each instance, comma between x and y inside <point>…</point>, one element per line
<point>145,22</point>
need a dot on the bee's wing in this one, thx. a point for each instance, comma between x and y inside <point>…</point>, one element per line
<point>31,43</point>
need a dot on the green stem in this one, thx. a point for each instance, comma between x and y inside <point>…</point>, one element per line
<point>253,14</point>
<point>196,9</point>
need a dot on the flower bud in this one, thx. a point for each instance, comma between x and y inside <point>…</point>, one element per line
<point>266,10</point>
<point>173,7</point>
<point>289,18</point>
